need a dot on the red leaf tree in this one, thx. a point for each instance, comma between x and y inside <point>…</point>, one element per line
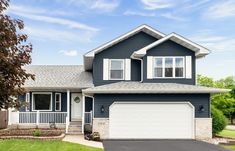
<point>14,54</point>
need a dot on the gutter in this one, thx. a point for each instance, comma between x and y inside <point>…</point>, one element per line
<point>142,67</point>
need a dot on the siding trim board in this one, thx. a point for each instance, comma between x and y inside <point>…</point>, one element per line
<point>107,100</point>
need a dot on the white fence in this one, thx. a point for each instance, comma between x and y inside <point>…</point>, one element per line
<point>88,117</point>
<point>37,117</point>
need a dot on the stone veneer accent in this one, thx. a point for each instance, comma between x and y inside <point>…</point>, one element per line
<point>203,128</point>
<point>101,125</point>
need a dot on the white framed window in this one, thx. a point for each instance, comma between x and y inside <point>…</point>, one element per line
<point>57,101</point>
<point>41,101</point>
<point>179,67</point>
<point>158,67</point>
<point>168,67</point>
<point>116,69</point>
<point>27,98</point>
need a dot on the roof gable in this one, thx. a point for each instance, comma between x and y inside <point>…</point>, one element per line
<point>199,50</point>
<point>88,57</point>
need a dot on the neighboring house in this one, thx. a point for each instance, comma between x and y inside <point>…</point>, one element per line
<point>141,85</point>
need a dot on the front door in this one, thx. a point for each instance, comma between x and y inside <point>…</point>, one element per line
<point>76,106</point>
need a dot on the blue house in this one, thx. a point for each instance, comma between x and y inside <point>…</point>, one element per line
<point>141,85</point>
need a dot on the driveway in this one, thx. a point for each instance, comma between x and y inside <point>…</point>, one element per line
<point>159,145</point>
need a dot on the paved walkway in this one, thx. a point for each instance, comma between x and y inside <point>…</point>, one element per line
<point>230,127</point>
<point>80,140</point>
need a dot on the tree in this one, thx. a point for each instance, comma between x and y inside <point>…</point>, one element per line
<point>219,121</point>
<point>14,54</point>
<point>225,102</point>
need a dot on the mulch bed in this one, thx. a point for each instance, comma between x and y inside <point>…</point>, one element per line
<point>30,132</point>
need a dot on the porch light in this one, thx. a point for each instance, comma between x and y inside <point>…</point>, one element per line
<point>201,108</point>
<point>102,109</point>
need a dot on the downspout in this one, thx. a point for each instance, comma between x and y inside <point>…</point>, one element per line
<point>142,67</point>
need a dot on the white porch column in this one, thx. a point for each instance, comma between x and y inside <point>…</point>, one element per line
<point>83,112</point>
<point>68,104</point>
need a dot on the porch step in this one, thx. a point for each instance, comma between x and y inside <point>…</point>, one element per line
<point>76,123</point>
<point>74,133</point>
<point>75,128</point>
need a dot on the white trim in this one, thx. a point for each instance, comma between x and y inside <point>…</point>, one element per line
<point>163,67</point>
<point>149,67</point>
<point>200,51</point>
<point>188,66</point>
<point>142,65</point>
<point>127,69</point>
<point>27,100</point>
<point>89,56</point>
<point>186,102</point>
<point>93,103</point>
<point>41,93</point>
<point>105,69</point>
<point>123,69</point>
<point>83,113</point>
<point>58,101</point>
<point>132,32</point>
<point>68,106</point>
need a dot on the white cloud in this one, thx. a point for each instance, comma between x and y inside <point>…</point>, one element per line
<point>35,14</point>
<point>36,10</point>
<point>197,4</point>
<point>98,5</point>
<point>157,4</point>
<point>222,9</point>
<point>105,5</point>
<point>60,21</point>
<point>70,53</point>
<point>44,34</point>
<point>214,42</point>
<point>135,13</point>
<point>173,17</point>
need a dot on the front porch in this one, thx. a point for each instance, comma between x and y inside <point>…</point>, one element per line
<point>69,110</point>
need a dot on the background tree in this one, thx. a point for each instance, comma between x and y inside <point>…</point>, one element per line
<point>225,102</point>
<point>14,54</point>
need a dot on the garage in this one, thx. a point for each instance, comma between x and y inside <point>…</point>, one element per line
<point>151,120</point>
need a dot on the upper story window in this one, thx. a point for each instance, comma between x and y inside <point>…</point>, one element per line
<point>116,69</point>
<point>168,67</point>
<point>179,67</point>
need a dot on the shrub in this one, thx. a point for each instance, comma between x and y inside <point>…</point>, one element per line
<point>219,121</point>
<point>96,136</point>
<point>37,132</point>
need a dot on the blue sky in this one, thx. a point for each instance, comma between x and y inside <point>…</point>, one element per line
<point>61,31</point>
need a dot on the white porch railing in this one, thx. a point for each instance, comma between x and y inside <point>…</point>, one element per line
<point>42,117</point>
<point>88,117</point>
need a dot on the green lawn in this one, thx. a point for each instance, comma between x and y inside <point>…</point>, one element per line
<point>230,147</point>
<point>227,133</point>
<point>37,145</point>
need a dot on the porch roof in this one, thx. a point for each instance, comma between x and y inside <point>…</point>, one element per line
<point>58,77</point>
<point>151,88</point>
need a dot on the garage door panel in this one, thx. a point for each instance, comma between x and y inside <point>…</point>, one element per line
<point>151,120</point>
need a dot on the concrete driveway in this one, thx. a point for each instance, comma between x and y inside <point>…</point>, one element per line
<point>159,145</point>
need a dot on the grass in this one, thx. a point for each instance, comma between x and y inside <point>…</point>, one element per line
<point>230,147</point>
<point>39,145</point>
<point>227,133</point>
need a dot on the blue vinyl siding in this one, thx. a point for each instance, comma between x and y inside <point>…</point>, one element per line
<point>170,48</point>
<point>121,50</point>
<point>63,101</point>
<point>195,99</point>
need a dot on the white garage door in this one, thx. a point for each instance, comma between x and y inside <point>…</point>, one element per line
<point>151,120</point>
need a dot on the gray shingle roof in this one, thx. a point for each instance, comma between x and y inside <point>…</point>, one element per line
<point>137,87</point>
<point>58,77</point>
